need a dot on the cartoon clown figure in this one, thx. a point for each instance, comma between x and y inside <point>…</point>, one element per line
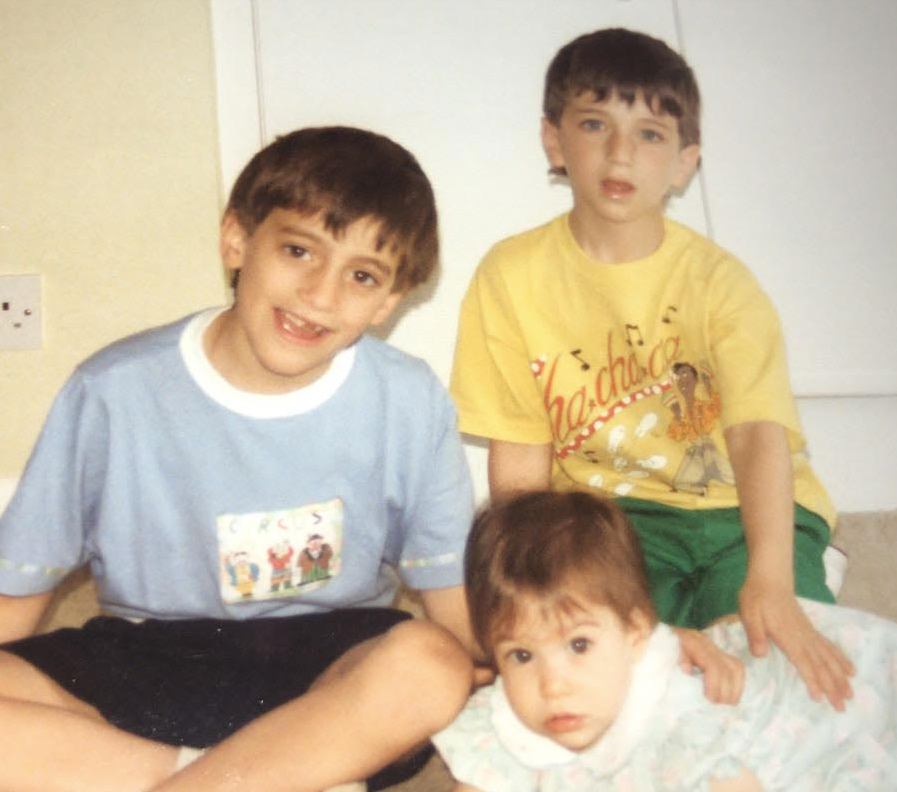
<point>243,572</point>
<point>314,560</point>
<point>279,557</point>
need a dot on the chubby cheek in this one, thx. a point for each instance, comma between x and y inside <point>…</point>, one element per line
<point>523,696</point>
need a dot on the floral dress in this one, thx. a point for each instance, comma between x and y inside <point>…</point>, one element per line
<point>669,738</point>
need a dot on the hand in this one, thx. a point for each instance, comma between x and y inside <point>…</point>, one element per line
<point>482,675</point>
<point>772,612</point>
<point>723,673</point>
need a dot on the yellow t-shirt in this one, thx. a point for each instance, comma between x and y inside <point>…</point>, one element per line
<point>632,371</point>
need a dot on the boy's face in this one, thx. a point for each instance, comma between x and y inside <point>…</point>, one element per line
<point>622,159</point>
<point>566,675</point>
<point>303,296</point>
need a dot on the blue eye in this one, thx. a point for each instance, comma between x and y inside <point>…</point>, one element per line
<point>652,136</point>
<point>592,125</point>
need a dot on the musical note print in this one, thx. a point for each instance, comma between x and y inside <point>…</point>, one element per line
<point>666,318</point>
<point>582,364</point>
<point>630,328</point>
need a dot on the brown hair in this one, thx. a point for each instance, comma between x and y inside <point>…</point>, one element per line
<point>562,547</point>
<point>345,174</point>
<point>627,64</point>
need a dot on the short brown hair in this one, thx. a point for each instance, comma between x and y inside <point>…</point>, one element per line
<point>345,174</point>
<point>562,547</point>
<point>620,62</point>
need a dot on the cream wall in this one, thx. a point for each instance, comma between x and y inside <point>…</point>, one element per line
<point>108,181</point>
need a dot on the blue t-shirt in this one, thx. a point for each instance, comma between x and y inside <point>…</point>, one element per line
<point>190,498</point>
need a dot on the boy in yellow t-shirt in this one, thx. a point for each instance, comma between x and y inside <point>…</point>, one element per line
<point>615,349</point>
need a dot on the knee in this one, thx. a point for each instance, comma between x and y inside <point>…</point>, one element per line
<point>21,681</point>
<point>18,679</point>
<point>435,669</point>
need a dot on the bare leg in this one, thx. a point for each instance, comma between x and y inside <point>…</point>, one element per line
<point>53,742</point>
<point>373,705</point>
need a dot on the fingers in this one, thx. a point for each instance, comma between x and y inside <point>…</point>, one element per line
<point>723,673</point>
<point>726,687</point>
<point>482,675</point>
<point>821,664</point>
<point>824,669</point>
<point>686,664</point>
<point>833,676</point>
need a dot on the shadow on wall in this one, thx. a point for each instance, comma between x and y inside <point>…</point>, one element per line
<point>7,488</point>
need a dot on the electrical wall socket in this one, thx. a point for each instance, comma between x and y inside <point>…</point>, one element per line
<point>20,319</point>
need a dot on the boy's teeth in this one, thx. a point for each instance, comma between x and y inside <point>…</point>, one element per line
<point>294,322</point>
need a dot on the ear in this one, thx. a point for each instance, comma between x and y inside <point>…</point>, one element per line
<point>640,629</point>
<point>232,241</point>
<point>551,143</point>
<point>689,157</point>
<point>389,305</point>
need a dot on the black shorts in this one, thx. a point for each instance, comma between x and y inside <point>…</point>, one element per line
<point>194,682</point>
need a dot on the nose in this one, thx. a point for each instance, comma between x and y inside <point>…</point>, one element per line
<point>553,680</point>
<point>319,287</point>
<point>619,147</point>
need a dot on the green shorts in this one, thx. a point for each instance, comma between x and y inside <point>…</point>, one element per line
<point>697,558</point>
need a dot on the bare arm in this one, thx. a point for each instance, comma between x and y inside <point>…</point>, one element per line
<point>761,461</point>
<point>448,607</point>
<point>19,616</point>
<point>518,467</point>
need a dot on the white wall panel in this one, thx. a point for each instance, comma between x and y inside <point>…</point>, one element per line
<point>800,108</point>
<point>799,173</point>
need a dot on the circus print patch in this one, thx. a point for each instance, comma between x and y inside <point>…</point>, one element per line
<point>265,555</point>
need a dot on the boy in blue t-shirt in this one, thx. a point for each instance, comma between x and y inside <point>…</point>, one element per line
<point>244,484</point>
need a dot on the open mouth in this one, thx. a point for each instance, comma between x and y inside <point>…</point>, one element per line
<point>615,188</point>
<point>296,327</point>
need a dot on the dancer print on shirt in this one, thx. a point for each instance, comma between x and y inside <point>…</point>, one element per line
<point>636,410</point>
<point>694,418</point>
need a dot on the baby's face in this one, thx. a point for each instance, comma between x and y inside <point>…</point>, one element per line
<point>566,675</point>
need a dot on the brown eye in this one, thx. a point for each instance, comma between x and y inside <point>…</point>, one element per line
<point>364,278</point>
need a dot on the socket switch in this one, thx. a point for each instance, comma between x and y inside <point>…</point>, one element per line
<point>20,315</point>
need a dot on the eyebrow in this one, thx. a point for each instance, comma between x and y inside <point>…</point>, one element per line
<point>377,264</point>
<point>661,119</point>
<point>566,628</point>
<point>298,231</point>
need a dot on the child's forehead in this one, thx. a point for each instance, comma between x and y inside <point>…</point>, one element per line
<point>319,221</point>
<point>365,233</point>
<point>541,618</point>
<point>637,100</point>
